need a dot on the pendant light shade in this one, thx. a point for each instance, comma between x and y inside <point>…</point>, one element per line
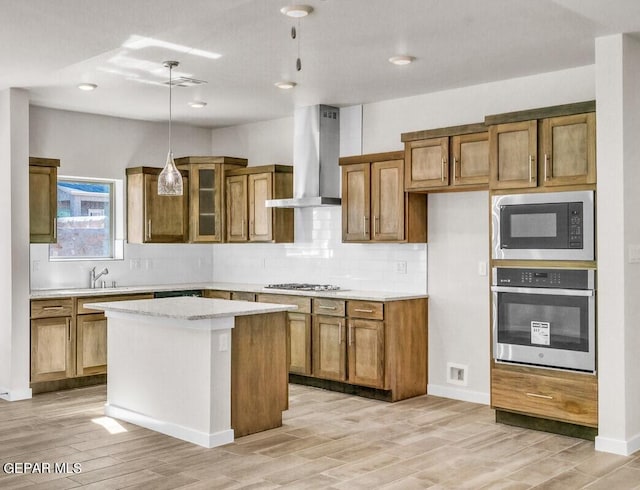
<point>170,179</point>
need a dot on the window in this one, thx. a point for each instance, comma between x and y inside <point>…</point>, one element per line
<point>87,215</point>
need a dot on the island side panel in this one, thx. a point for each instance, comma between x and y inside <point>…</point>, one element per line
<point>259,372</point>
<point>172,379</point>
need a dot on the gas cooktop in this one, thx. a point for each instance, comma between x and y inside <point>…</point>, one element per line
<point>298,286</point>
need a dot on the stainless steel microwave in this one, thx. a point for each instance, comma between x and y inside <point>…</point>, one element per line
<point>544,226</point>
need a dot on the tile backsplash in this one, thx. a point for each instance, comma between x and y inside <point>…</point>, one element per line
<point>317,256</point>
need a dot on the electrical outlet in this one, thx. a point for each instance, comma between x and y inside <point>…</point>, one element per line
<point>401,267</point>
<point>482,268</point>
<point>223,342</point>
<point>35,266</point>
<point>634,254</point>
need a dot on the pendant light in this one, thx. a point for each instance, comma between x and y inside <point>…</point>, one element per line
<point>170,179</point>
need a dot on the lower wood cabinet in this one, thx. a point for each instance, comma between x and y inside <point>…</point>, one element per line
<point>329,348</point>
<point>557,395</point>
<point>69,340</point>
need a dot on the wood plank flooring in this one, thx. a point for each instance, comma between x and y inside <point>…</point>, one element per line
<point>329,440</point>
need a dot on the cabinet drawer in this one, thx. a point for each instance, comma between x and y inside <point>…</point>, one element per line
<point>333,307</point>
<point>212,293</point>
<point>102,299</point>
<point>49,308</point>
<point>243,296</point>
<point>569,397</point>
<point>303,304</point>
<point>365,309</point>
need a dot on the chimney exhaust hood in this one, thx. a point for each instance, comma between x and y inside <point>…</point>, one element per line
<point>316,148</point>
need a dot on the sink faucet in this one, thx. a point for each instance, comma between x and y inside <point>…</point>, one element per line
<point>93,278</point>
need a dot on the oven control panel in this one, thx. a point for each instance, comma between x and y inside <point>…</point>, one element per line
<point>544,278</point>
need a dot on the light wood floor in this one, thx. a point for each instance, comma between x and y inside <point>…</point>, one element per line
<point>328,440</point>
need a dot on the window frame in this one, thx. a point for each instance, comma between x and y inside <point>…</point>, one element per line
<point>116,232</point>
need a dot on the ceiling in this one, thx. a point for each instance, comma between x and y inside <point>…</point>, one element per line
<point>48,47</point>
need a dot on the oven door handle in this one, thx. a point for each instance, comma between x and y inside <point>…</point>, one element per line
<point>549,291</point>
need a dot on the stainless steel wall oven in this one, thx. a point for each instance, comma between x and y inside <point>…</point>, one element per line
<point>544,317</point>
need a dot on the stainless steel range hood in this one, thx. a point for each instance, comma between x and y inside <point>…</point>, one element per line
<point>316,147</point>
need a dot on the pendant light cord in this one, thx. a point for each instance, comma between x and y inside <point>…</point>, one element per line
<point>170,90</point>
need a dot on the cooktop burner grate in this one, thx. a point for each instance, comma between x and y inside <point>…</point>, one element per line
<point>303,286</point>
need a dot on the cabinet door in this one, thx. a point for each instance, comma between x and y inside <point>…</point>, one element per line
<point>470,159</point>
<point>366,352</point>
<point>513,155</point>
<point>43,203</point>
<point>260,222</point>
<point>569,150</point>
<point>299,343</point>
<point>387,200</point>
<point>166,217</point>
<point>426,164</point>
<point>329,347</point>
<point>205,203</point>
<point>356,202</point>
<point>237,208</point>
<point>91,344</point>
<point>51,349</point>
<point>212,293</point>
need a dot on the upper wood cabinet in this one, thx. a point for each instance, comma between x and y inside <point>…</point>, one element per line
<point>207,195</point>
<point>444,158</point>
<point>553,146</point>
<point>152,218</point>
<point>248,218</point>
<point>374,204</point>
<point>43,199</point>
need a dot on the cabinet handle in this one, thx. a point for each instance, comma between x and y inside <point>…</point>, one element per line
<point>455,171</point>
<point>364,225</point>
<point>323,307</point>
<point>243,229</point>
<point>149,229</point>
<point>339,333</point>
<point>531,168</point>
<point>53,308</point>
<point>537,395</point>
<point>69,329</point>
<point>376,224</point>
<point>362,310</point>
<point>547,161</point>
<point>55,228</point>
<point>351,333</point>
<point>444,162</point>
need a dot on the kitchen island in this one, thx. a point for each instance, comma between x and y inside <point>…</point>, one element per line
<point>200,369</point>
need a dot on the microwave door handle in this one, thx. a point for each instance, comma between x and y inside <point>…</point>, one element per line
<point>549,291</point>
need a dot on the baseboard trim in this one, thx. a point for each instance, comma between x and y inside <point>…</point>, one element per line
<point>203,439</point>
<point>617,446</point>
<point>15,395</point>
<point>459,394</point>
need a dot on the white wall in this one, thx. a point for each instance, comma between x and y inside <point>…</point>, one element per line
<point>89,145</point>
<point>14,254</point>
<point>618,147</point>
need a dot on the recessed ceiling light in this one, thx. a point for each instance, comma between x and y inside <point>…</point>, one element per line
<point>297,10</point>
<point>401,59</point>
<point>285,84</point>
<point>197,104</point>
<point>87,86</point>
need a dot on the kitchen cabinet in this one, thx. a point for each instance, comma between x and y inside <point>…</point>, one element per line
<point>374,205</point>
<point>152,218</point>
<point>207,195</point>
<point>91,333</point>
<point>558,395</point>
<point>68,340</point>
<point>546,147</point>
<point>329,339</point>
<point>248,218</point>
<point>43,199</point>
<point>298,330</point>
<point>52,339</point>
<point>211,293</point>
<point>446,159</point>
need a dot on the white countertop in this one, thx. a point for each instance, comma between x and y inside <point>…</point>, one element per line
<point>357,294</point>
<point>189,308</point>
